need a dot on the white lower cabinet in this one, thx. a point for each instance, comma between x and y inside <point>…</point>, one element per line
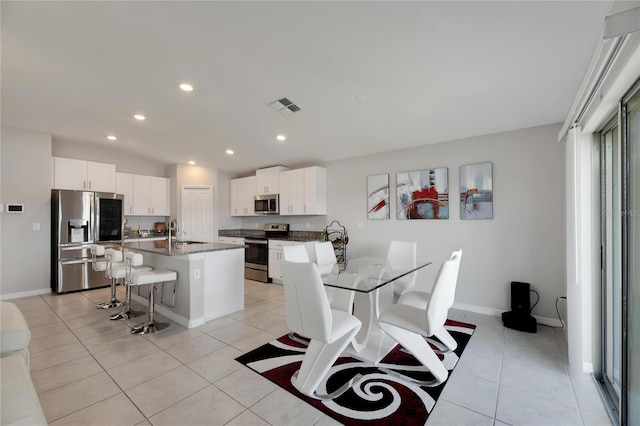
<point>276,255</point>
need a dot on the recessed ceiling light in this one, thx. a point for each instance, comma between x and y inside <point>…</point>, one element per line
<point>193,163</point>
<point>186,87</point>
<point>111,138</point>
<point>281,138</point>
<point>229,151</point>
<point>139,117</point>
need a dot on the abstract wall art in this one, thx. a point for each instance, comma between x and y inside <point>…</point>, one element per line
<point>476,191</point>
<point>378,197</point>
<point>423,194</point>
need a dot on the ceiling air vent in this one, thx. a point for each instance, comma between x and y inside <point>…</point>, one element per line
<point>284,106</point>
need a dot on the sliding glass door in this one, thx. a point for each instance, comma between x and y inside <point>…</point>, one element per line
<point>611,198</point>
<point>620,199</point>
<point>632,397</point>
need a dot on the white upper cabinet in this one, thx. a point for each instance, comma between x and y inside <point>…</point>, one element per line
<point>159,201</point>
<point>124,186</point>
<point>144,195</point>
<point>234,198</point>
<point>83,175</point>
<point>242,193</point>
<point>141,195</point>
<point>268,180</point>
<point>303,191</point>
<point>315,190</point>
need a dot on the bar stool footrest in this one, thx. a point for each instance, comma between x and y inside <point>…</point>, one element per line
<point>115,303</point>
<point>126,314</point>
<point>149,327</point>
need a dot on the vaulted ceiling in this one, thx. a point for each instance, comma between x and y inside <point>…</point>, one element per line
<point>369,77</point>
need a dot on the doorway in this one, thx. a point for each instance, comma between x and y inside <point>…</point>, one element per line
<point>197,213</point>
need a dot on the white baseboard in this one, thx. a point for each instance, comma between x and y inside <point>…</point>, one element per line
<point>552,322</point>
<point>587,368</point>
<point>25,294</point>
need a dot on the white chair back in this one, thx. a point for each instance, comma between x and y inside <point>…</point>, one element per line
<point>311,251</point>
<point>132,260</point>
<point>297,253</point>
<point>97,249</point>
<point>325,257</point>
<point>307,307</point>
<point>455,255</point>
<point>402,255</point>
<point>443,293</point>
<point>112,256</point>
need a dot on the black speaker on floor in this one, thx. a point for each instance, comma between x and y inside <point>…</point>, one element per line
<point>519,318</point>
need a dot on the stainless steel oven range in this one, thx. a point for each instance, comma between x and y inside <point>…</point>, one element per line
<point>256,257</point>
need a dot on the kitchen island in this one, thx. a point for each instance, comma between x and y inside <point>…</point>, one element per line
<point>210,279</point>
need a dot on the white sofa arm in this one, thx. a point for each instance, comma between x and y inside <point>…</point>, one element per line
<point>14,332</point>
<point>19,404</point>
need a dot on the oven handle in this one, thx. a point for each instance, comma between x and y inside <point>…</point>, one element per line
<point>247,241</point>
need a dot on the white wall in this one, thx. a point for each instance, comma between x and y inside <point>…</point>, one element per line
<point>126,162</point>
<point>523,242</point>
<point>25,254</point>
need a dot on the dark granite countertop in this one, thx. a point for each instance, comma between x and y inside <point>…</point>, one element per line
<point>257,233</point>
<point>178,249</point>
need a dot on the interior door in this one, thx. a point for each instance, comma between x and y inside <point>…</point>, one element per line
<point>197,212</point>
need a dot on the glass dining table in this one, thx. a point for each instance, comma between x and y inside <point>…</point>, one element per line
<point>365,287</point>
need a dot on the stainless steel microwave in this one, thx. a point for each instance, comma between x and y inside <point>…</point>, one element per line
<point>267,204</point>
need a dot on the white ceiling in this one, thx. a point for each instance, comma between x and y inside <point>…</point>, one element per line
<point>370,77</point>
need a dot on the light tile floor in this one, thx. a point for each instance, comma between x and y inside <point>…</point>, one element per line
<point>90,370</point>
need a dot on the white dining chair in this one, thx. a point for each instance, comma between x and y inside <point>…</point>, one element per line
<point>420,299</point>
<point>301,254</point>
<point>325,257</point>
<point>402,255</point>
<point>297,253</point>
<point>309,314</point>
<point>409,325</point>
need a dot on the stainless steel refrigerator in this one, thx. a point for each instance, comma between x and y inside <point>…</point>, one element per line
<point>79,219</point>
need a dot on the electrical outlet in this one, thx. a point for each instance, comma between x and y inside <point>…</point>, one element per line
<point>307,225</point>
<point>36,226</point>
<point>196,274</point>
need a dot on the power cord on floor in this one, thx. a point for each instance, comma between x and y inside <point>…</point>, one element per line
<point>557,312</point>
<point>537,300</point>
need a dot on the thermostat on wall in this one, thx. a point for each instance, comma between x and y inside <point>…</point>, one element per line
<point>15,208</point>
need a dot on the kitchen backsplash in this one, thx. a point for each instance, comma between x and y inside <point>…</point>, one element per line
<point>252,233</point>
<point>142,223</point>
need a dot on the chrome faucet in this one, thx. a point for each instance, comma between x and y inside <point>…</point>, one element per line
<point>173,226</point>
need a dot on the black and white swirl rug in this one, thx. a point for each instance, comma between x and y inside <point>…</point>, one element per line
<point>377,397</point>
